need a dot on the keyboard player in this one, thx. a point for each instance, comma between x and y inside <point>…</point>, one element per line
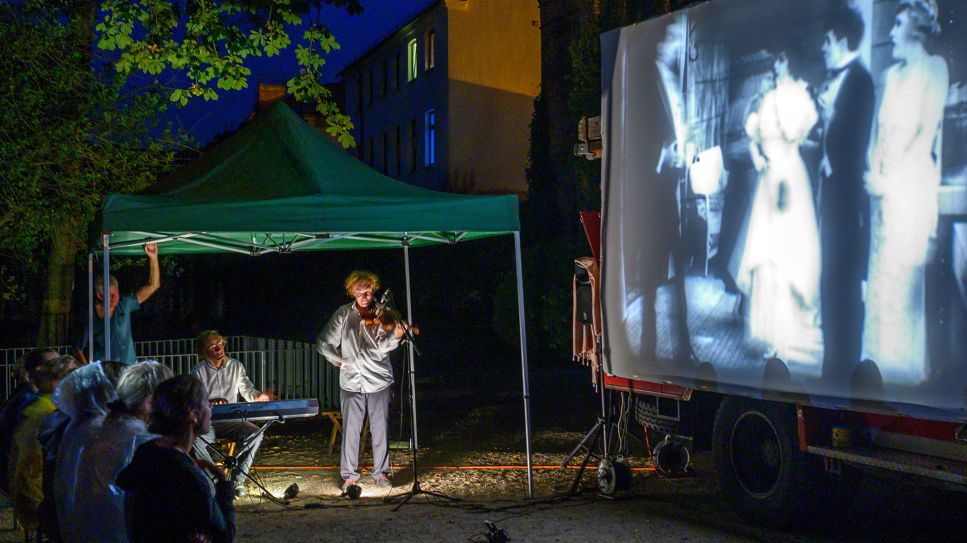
<point>225,379</point>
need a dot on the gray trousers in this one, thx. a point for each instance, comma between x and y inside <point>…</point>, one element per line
<point>354,408</point>
<point>247,440</point>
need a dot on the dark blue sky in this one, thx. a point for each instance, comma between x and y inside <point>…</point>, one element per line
<point>355,34</point>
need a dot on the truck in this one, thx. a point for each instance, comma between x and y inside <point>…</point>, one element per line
<point>779,266</point>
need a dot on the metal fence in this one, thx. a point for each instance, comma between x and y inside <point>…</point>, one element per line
<point>291,369</point>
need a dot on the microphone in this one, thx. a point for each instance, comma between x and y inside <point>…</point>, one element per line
<point>386,299</point>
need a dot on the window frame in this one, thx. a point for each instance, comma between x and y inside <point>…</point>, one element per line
<point>429,138</point>
<point>412,61</point>
<point>429,50</point>
<point>414,152</point>
<point>384,81</point>
<point>398,147</point>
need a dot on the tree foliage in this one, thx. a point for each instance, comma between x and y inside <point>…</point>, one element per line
<point>68,135</point>
<point>209,42</point>
<point>74,126</point>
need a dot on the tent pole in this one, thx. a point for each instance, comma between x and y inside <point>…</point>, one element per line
<point>523,364</point>
<point>106,297</point>
<point>409,344</point>
<point>90,307</point>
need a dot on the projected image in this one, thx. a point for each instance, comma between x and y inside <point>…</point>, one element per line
<point>786,195</point>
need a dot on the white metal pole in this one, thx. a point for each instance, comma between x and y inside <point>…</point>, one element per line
<point>409,318</point>
<point>523,364</point>
<point>90,307</point>
<point>106,301</point>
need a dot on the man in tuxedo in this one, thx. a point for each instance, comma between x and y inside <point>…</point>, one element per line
<point>646,161</point>
<point>847,101</point>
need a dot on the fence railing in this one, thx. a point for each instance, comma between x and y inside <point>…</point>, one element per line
<point>291,369</point>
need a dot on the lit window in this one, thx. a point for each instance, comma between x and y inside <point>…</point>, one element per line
<point>429,51</point>
<point>429,138</point>
<point>411,59</point>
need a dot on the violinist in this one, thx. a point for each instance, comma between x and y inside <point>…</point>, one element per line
<point>359,345</point>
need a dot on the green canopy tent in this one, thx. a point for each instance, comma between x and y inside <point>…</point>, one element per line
<point>278,186</point>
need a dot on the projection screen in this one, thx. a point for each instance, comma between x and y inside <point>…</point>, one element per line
<point>785,201</point>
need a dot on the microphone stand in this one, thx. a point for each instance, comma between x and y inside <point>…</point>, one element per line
<point>231,461</point>
<point>402,499</point>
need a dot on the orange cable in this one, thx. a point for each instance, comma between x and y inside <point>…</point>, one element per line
<point>401,468</point>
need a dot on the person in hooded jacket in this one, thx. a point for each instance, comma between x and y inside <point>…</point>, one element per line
<point>88,466</point>
<point>81,399</point>
<point>167,495</point>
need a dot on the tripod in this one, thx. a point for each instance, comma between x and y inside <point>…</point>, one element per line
<point>598,434</point>
<point>402,499</point>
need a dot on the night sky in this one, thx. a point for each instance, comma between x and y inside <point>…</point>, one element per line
<point>355,34</point>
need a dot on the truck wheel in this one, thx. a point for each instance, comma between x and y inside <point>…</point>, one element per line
<point>762,472</point>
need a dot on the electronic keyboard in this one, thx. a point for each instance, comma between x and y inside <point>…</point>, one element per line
<point>276,409</point>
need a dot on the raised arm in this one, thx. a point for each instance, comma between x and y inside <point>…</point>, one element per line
<point>154,274</point>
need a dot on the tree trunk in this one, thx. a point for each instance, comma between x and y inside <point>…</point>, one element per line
<point>56,312</point>
<point>64,243</point>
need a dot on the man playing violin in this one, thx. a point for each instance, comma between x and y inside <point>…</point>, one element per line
<point>225,379</point>
<point>359,346</point>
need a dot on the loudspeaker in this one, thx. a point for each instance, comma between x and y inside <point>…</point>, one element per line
<point>582,294</point>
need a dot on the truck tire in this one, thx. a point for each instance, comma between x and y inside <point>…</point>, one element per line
<point>762,473</point>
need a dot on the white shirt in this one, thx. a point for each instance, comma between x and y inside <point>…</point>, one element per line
<point>226,382</point>
<point>360,352</point>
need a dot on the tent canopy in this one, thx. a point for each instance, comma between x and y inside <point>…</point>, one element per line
<point>278,185</point>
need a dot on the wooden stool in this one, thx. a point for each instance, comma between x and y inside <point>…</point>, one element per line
<point>336,418</point>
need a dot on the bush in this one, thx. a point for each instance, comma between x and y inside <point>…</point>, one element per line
<point>548,274</point>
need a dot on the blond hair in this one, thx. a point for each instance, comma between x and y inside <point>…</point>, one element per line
<point>203,339</point>
<point>360,277</point>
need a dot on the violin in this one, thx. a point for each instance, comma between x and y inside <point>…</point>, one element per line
<point>386,317</point>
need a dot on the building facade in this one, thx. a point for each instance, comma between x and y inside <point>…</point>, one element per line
<point>446,101</point>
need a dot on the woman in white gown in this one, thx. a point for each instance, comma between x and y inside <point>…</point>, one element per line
<point>903,184</point>
<point>779,266</point>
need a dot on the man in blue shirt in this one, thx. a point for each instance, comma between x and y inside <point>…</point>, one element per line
<point>122,343</point>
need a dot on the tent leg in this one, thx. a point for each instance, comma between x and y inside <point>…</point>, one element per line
<point>106,242</point>
<point>409,344</point>
<point>90,307</point>
<point>523,365</point>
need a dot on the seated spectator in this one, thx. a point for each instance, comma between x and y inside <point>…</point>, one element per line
<point>89,463</point>
<point>80,397</point>
<point>11,415</point>
<point>25,471</point>
<point>225,380</point>
<point>167,496</point>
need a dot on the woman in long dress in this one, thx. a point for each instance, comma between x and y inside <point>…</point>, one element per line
<point>779,267</point>
<point>903,185</point>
